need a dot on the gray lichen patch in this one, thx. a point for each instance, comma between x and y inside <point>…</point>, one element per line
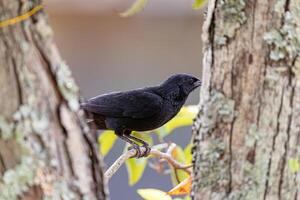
<point>231,15</point>
<point>16,181</point>
<point>210,152</point>
<point>285,41</point>
<point>28,125</point>
<point>217,109</point>
<point>250,187</point>
<point>253,136</point>
<point>67,86</point>
<point>32,120</point>
<point>27,122</point>
<point>6,128</point>
<point>213,170</point>
<point>274,75</point>
<point>62,191</point>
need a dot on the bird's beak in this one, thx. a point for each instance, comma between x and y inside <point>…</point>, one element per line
<point>197,84</point>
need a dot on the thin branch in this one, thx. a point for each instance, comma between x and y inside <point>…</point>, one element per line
<point>154,152</point>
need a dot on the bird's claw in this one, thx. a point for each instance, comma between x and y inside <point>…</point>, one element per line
<point>139,152</point>
<point>137,149</point>
<point>147,152</point>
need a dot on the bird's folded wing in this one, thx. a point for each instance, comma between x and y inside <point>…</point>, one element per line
<point>134,104</point>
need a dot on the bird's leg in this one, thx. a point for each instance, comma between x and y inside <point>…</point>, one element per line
<point>145,144</point>
<point>127,133</point>
<point>133,144</point>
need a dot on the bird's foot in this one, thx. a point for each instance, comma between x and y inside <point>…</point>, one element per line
<point>137,149</point>
<point>148,150</point>
<point>140,153</point>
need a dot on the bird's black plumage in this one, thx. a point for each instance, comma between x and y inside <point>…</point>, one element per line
<point>141,109</point>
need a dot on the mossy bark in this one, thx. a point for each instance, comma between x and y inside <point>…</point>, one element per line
<point>46,149</point>
<point>247,134</point>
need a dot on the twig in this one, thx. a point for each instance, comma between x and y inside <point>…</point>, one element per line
<point>154,152</point>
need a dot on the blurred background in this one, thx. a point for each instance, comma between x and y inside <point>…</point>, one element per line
<point>109,53</point>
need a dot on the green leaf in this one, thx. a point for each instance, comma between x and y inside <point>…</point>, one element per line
<point>294,165</point>
<point>106,141</point>
<point>198,4</point>
<point>179,155</point>
<point>183,118</point>
<point>188,154</point>
<point>136,7</point>
<point>187,197</point>
<point>146,136</point>
<point>153,194</point>
<point>135,169</point>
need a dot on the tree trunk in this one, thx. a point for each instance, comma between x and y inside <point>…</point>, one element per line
<point>46,149</point>
<point>247,134</point>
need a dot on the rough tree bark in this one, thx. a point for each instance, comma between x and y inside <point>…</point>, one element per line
<point>247,134</point>
<point>46,149</point>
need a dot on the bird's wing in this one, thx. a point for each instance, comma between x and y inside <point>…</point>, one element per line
<point>134,104</point>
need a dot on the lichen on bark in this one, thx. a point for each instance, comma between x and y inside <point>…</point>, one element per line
<point>231,15</point>
<point>27,122</point>
<point>285,41</point>
<point>211,159</point>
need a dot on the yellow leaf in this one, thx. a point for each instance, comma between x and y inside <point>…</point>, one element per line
<point>146,136</point>
<point>135,169</point>
<point>187,197</point>
<point>183,118</point>
<point>182,188</point>
<point>191,111</point>
<point>177,122</point>
<point>188,154</point>
<point>294,165</point>
<point>136,7</point>
<point>153,194</point>
<point>198,4</point>
<point>178,154</point>
<point>106,141</point>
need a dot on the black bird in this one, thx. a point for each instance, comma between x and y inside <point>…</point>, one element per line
<point>141,109</point>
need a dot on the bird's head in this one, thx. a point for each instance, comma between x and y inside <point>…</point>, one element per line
<point>179,86</point>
